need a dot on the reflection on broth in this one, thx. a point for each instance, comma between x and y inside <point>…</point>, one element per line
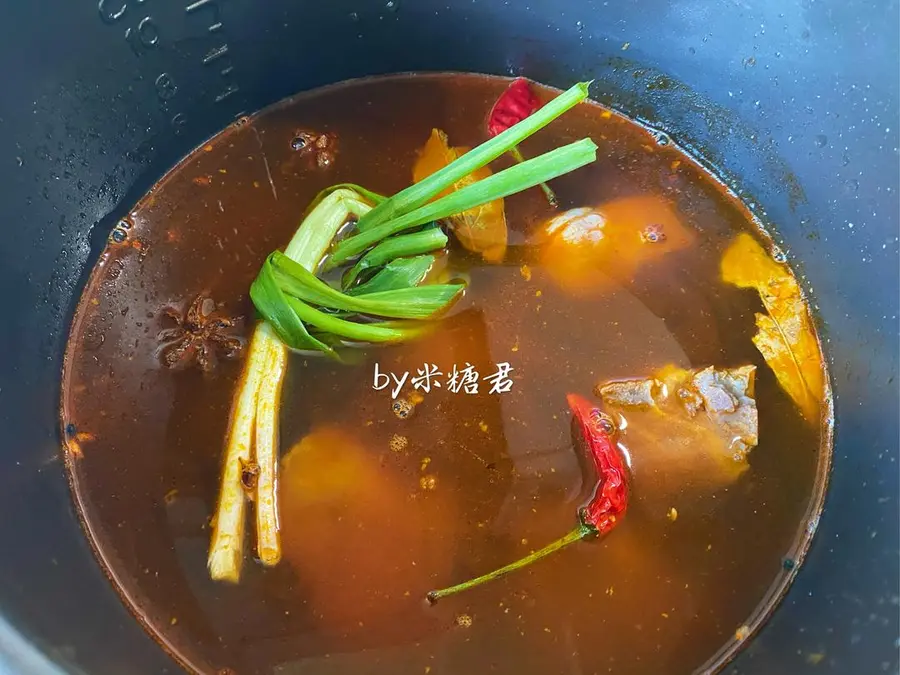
<point>621,320</point>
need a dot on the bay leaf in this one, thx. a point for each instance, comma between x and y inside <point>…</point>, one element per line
<point>482,229</point>
<point>785,335</point>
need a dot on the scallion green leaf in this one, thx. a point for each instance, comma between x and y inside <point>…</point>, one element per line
<point>363,332</point>
<point>417,302</point>
<point>401,246</point>
<point>418,194</point>
<point>510,181</point>
<point>274,306</point>
<point>399,273</point>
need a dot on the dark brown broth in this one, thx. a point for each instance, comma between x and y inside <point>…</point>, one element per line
<point>655,597</point>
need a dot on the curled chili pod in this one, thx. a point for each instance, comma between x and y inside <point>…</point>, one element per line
<point>600,515</point>
<point>513,106</point>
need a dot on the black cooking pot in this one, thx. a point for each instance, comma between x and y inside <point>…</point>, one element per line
<point>795,101</point>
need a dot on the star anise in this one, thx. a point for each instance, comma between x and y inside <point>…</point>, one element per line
<point>201,336</point>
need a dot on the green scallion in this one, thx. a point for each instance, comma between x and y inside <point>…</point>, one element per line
<point>502,184</point>
<point>362,332</point>
<point>418,194</point>
<point>401,246</point>
<point>416,302</point>
<point>399,273</point>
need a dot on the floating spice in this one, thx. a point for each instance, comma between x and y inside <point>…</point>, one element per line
<point>402,408</point>
<point>318,148</point>
<point>399,443</point>
<point>249,477</point>
<point>464,620</point>
<point>653,234</point>
<point>601,514</point>
<point>785,335</point>
<point>200,336</point>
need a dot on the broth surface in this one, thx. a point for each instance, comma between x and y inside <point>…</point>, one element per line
<point>481,479</point>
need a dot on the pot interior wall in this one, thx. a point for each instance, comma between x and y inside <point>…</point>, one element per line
<point>795,101</point>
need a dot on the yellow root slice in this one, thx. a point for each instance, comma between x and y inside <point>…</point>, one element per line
<point>226,551</point>
<point>268,536</point>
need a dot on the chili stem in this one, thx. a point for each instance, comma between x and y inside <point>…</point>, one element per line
<point>577,534</point>
<point>548,191</point>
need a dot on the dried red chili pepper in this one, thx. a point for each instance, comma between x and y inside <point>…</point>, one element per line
<point>610,499</point>
<point>513,106</point>
<point>605,508</point>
